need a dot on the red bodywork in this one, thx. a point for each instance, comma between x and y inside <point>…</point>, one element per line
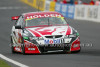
<point>32,48</point>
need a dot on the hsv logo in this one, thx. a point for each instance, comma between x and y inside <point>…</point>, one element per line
<point>57,41</point>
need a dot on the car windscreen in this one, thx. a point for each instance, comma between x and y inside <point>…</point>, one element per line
<point>46,21</point>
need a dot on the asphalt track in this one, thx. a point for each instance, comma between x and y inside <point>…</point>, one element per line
<point>89,33</point>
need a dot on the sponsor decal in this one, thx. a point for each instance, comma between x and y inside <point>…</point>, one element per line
<point>17,49</point>
<point>39,31</point>
<point>44,15</point>
<point>31,48</point>
<point>75,45</point>
<point>56,41</point>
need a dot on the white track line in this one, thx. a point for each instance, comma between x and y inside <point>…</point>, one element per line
<point>10,8</point>
<point>12,61</point>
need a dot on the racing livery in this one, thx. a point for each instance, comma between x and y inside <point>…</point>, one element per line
<point>41,32</point>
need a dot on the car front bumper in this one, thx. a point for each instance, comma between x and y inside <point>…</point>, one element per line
<point>37,48</point>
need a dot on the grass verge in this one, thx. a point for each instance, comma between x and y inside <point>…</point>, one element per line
<point>3,63</point>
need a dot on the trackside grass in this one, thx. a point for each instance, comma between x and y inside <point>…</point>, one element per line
<point>3,63</point>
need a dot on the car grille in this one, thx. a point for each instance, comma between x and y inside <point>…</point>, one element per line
<point>54,36</point>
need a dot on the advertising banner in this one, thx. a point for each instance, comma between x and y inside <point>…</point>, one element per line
<point>66,9</point>
<point>71,10</point>
<point>80,12</point>
<point>58,7</point>
<point>47,5</point>
<point>99,14</point>
<point>92,13</point>
<point>52,6</point>
<point>87,12</point>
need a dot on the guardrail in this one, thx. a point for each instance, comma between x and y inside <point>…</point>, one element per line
<point>38,4</point>
<point>80,12</point>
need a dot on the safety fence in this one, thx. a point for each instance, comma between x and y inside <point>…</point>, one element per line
<point>80,12</point>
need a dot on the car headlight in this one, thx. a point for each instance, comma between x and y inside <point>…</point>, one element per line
<point>33,38</point>
<point>36,38</point>
<point>26,34</point>
<point>29,36</point>
<point>72,35</point>
<point>66,36</point>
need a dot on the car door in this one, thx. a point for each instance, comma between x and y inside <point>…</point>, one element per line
<point>17,33</point>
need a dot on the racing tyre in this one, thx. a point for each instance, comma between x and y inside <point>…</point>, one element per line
<point>69,52</point>
<point>23,49</point>
<point>12,50</point>
<point>76,51</point>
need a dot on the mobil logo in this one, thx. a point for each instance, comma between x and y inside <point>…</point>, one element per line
<point>51,41</point>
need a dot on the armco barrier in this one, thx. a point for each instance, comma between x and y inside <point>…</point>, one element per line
<point>30,2</point>
<point>80,12</point>
<point>40,4</point>
<point>87,12</point>
<point>66,9</point>
<point>43,5</point>
<point>25,1</point>
<point>36,4</point>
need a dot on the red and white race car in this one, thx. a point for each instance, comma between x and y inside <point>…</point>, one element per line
<point>41,32</point>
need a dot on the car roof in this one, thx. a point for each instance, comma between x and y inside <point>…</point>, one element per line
<point>40,13</point>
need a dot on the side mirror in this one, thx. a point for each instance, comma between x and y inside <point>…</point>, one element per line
<point>15,18</point>
<point>18,27</point>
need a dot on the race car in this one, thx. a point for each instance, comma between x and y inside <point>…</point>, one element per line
<point>43,32</point>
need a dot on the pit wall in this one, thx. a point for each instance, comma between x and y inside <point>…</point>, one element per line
<point>79,12</point>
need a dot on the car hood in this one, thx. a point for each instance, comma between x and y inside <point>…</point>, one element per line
<point>50,30</point>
